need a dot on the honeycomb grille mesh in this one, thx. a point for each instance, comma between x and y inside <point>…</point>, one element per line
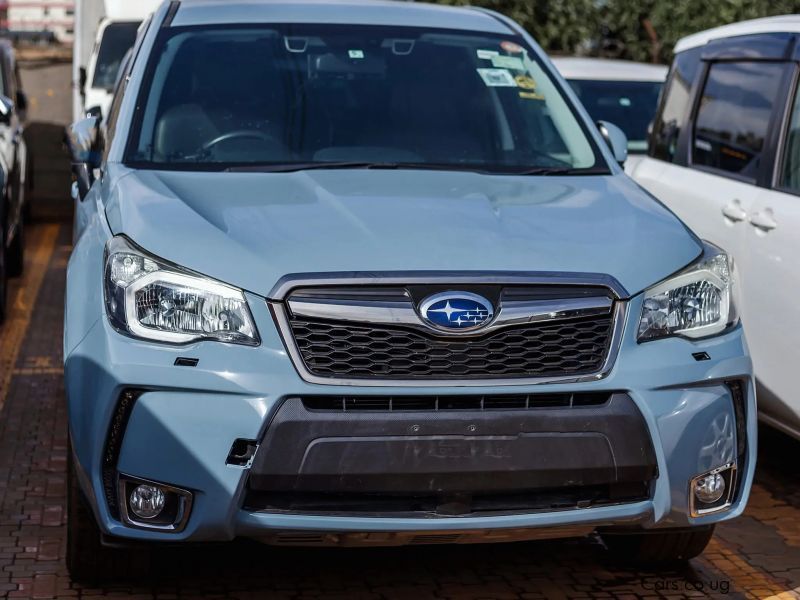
<point>563,348</point>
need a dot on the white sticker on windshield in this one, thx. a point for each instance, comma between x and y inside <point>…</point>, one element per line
<point>487,54</point>
<point>356,53</point>
<point>508,62</point>
<point>497,78</point>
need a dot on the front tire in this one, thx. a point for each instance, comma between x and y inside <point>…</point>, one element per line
<point>659,546</point>
<point>88,560</point>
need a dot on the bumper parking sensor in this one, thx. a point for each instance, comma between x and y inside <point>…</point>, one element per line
<point>151,505</point>
<point>713,491</point>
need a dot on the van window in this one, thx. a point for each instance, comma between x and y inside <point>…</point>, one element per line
<point>628,104</point>
<point>790,172</point>
<point>675,105</point>
<point>118,38</point>
<point>734,114</point>
<point>318,94</point>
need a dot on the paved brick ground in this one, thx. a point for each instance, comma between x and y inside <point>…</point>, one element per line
<point>757,556</point>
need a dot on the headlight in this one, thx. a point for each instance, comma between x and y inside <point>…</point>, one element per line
<point>151,299</point>
<point>698,302</point>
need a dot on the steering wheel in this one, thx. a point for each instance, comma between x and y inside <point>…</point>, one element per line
<point>232,135</point>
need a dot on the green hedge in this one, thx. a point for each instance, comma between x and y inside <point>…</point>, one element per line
<point>644,30</point>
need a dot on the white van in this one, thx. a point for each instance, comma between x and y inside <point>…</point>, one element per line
<point>622,92</point>
<point>104,32</point>
<point>725,156</point>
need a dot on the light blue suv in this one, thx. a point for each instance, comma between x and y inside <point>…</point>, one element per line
<point>365,274</point>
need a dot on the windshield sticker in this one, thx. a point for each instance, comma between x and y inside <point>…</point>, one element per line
<point>526,82</point>
<point>531,96</point>
<point>512,47</point>
<point>508,62</point>
<point>497,78</point>
<point>527,85</point>
<point>487,54</point>
<point>356,54</point>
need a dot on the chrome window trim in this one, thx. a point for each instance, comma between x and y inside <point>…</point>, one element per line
<point>280,314</point>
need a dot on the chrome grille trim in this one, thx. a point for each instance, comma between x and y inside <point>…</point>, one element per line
<point>403,313</point>
<point>287,284</point>
<point>398,310</point>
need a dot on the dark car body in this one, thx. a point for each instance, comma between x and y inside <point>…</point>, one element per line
<point>14,171</point>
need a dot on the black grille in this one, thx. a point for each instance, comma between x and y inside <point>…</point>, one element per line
<point>459,403</point>
<point>446,506</point>
<point>563,348</point>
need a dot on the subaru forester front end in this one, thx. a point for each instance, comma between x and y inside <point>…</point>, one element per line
<point>364,273</point>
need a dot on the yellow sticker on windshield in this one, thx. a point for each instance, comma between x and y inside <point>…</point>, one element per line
<point>526,82</point>
<point>531,96</point>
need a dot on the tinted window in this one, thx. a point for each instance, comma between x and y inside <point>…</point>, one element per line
<point>4,76</point>
<point>675,105</point>
<point>790,172</point>
<point>331,93</point>
<point>734,115</point>
<point>630,105</point>
<point>118,38</point>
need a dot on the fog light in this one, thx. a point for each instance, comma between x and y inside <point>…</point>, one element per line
<point>147,501</point>
<point>709,489</point>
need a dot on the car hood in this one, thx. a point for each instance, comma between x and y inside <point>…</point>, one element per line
<point>252,229</point>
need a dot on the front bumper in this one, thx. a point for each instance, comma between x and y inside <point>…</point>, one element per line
<point>181,430</point>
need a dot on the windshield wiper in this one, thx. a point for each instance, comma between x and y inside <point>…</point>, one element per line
<point>411,166</point>
<point>563,171</point>
<point>293,167</point>
<point>310,166</point>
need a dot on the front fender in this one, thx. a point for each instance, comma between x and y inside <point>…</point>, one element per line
<point>83,303</point>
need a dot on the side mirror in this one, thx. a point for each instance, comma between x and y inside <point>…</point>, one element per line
<point>22,104</point>
<point>85,149</point>
<point>6,109</point>
<point>82,79</point>
<point>616,140</point>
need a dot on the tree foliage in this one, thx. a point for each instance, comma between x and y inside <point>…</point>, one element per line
<point>644,30</point>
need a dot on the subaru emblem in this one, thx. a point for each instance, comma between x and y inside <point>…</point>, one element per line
<point>460,311</point>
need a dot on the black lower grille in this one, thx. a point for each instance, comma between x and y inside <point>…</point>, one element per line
<point>565,348</point>
<point>443,505</point>
<point>455,403</point>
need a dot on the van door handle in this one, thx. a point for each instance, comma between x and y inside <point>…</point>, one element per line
<point>764,221</point>
<point>734,211</point>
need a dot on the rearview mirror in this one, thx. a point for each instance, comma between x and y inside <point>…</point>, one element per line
<point>84,144</point>
<point>616,140</point>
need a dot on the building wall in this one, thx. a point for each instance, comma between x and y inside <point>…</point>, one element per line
<point>57,16</point>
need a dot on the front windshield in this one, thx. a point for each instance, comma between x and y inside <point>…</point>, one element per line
<point>218,97</point>
<point>118,38</point>
<point>630,105</point>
